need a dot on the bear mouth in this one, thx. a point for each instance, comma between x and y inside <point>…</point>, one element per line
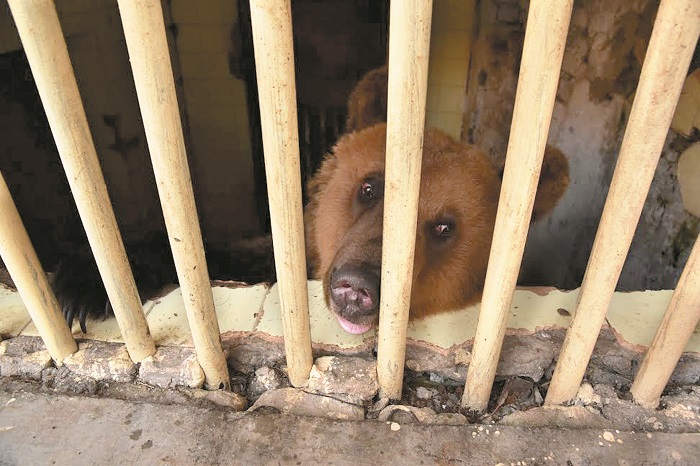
<point>353,328</point>
<point>352,295</point>
<point>357,324</point>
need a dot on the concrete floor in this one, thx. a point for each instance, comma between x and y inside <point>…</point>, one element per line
<point>38,428</point>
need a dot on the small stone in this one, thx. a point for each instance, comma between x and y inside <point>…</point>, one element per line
<point>24,357</point>
<point>395,426</point>
<point>299,402</point>
<point>172,367</point>
<point>224,398</point>
<point>407,414</point>
<point>525,357</point>
<point>344,375</point>
<point>608,436</point>
<point>380,404</point>
<point>266,378</point>
<point>424,393</point>
<point>586,396</point>
<point>102,361</point>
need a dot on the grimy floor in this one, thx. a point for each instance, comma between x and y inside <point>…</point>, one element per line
<point>39,428</point>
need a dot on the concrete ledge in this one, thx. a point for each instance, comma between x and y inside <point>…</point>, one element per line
<point>109,431</point>
<point>251,327</point>
<point>343,386</point>
<point>254,310</point>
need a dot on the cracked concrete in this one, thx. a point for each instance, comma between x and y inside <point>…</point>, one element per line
<point>38,428</point>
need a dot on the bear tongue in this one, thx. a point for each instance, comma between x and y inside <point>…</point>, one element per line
<point>355,329</point>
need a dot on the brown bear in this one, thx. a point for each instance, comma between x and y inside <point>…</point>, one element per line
<point>457,208</point>
<point>458,198</point>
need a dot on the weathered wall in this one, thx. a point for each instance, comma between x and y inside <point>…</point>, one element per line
<point>28,156</point>
<point>605,49</point>
<point>212,101</point>
<point>451,35</point>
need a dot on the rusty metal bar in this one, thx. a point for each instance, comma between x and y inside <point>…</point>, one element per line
<point>144,30</point>
<point>545,39</point>
<point>670,49</point>
<point>23,264</point>
<point>409,50</point>
<point>43,42</point>
<point>677,326</point>
<point>274,60</point>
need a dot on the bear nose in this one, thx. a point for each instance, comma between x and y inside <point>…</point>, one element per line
<point>355,290</point>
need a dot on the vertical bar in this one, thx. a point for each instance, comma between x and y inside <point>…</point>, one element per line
<point>543,50</point>
<point>409,48</point>
<point>43,42</point>
<point>677,326</point>
<point>146,42</point>
<point>274,63</point>
<point>21,261</point>
<point>668,56</point>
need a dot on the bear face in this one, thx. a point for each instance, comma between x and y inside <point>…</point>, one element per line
<point>457,208</point>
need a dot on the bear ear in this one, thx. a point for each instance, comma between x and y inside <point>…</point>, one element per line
<point>554,179</point>
<point>367,102</point>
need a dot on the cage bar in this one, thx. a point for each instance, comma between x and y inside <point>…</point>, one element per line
<point>676,328</point>
<point>274,61</point>
<point>23,264</point>
<point>545,39</point>
<point>670,49</point>
<point>45,47</point>
<point>409,50</point>
<point>144,30</point>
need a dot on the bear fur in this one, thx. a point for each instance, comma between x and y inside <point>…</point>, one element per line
<point>458,199</point>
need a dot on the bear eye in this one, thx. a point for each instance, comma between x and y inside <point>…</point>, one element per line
<point>442,229</point>
<point>370,190</point>
<point>367,191</point>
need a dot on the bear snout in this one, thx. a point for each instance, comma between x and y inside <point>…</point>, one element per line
<point>354,293</point>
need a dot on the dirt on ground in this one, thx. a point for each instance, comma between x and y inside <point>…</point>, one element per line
<point>514,400</point>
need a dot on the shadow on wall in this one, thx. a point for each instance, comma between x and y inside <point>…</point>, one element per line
<point>605,49</point>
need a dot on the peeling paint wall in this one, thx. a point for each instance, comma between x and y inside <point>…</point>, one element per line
<point>605,49</point>
<point>28,156</point>
<point>215,104</point>
<point>211,100</point>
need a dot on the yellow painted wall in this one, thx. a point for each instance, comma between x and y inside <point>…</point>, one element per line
<point>215,105</point>
<point>450,45</point>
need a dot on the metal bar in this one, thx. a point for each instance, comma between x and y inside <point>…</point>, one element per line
<point>146,42</point>
<point>545,39</point>
<point>668,56</point>
<point>23,264</point>
<point>409,49</point>
<point>43,42</point>
<point>677,326</point>
<point>274,62</point>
